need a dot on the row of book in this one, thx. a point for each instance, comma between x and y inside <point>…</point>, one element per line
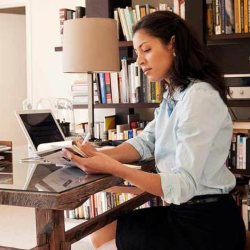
<point>239,154</point>
<point>67,14</point>
<point>228,16</point>
<point>127,17</point>
<point>122,132</point>
<point>129,85</point>
<point>111,130</point>
<point>102,202</point>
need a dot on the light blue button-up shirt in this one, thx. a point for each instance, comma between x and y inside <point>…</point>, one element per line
<point>191,145</point>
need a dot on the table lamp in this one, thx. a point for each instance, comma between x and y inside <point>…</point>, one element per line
<point>90,45</point>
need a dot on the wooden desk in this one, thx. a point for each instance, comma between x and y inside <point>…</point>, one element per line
<point>50,204</point>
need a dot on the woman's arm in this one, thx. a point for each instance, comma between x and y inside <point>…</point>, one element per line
<point>98,162</point>
<point>149,182</point>
<point>124,153</point>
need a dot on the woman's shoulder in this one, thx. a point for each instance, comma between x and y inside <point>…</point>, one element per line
<point>201,88</point>
<point>197,85</point>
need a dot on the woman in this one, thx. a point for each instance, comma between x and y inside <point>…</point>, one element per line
<point>189,137</point>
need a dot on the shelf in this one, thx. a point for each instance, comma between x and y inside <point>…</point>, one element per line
<point>125,44</point>
<point>118,105</point>
<point>231,103</point>
<point>241,171</point>
<point>122,44</point>
<point>239,102</point>
<point>234,38</point>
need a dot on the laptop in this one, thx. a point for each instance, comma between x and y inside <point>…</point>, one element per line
<point>44,135</point>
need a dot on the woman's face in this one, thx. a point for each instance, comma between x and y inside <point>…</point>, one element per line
<point>154,57</point>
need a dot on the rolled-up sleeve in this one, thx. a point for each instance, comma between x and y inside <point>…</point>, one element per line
<point>200,118</point>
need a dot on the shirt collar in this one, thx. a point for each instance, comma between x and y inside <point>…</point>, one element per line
<point>178,94</point>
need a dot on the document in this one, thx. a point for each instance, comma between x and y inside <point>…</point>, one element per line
<point>52,152</point>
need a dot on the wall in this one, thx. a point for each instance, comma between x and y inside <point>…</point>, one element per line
<point>45,78</point>
<point>48,80</point>
<point>13,80</point>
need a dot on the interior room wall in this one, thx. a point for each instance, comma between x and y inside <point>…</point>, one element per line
<point>45,78</point>
<point>48,80</point>
<point>13,87</point>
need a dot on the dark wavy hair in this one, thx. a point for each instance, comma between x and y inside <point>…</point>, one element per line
<point>192,60</point>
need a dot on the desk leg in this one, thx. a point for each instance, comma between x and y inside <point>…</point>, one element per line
<point>50,228</point>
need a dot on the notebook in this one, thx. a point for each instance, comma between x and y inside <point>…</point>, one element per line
<point>40,127</point>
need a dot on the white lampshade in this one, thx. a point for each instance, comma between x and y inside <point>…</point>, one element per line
<point>90,45</point>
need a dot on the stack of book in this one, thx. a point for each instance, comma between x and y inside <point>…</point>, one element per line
<point>79,93</point>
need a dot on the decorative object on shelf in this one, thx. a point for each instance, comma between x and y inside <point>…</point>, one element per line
<point>65,116</point>
<point>27,104</point>
<point>90,45</point>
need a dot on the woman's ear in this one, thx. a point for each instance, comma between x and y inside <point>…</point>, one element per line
<point>172,43</point>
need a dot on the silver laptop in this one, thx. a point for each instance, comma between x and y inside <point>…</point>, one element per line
<point>41,128</point>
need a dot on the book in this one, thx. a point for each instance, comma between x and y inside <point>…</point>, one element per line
<point>103,88</point>
<point>124,86</point>
<point>209,18</point>
<point>115,87</point>
<point>129,20</point>
<point>120,35</point>
<point>229,15</point>
<point>109,122</point>
<point>124,24</point>
<point>80,11</point>
<point>108,87</point>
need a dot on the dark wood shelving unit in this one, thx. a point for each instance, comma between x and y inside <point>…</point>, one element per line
<point>118,105</point>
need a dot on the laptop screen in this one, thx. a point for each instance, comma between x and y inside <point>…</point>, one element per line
<point>41,128</point>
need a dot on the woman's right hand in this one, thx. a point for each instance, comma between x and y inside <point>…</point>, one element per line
<point>87,148</point>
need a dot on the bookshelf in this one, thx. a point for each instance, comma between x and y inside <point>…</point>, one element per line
<point>232,53</point>
<point>232,50</point>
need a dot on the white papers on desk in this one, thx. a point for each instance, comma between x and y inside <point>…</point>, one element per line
<point>53,145</point>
